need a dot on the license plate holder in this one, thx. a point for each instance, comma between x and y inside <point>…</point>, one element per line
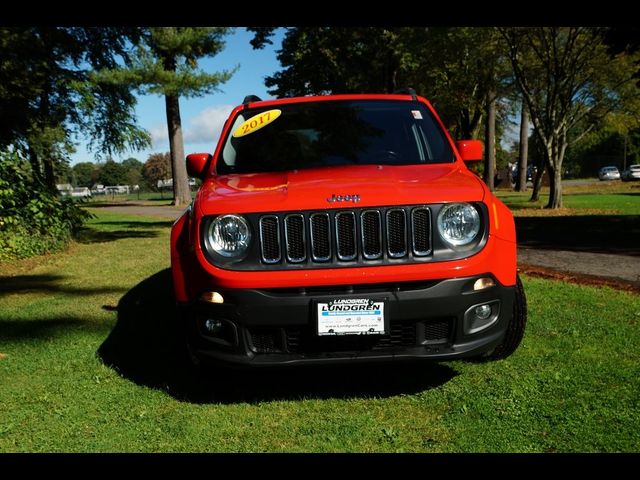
<point>352,316</point>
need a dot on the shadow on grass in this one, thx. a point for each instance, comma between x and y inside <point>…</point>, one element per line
<point>587,233</point>
<point>46,284</point>
<point>136,224</point>
<point>146,347</point>
<point>91,235</point>
<point>43,328</point>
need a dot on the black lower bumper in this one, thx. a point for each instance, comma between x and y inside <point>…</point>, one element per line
<point>431,319</point>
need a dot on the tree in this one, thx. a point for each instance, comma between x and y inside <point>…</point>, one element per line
<point>34,219</point>
<point>132,164</point>
<point>51,95</point>
<point>157,167</point>
<point>84,174</point>
<point>113,173</point>
<point>566,76</point>
<point>166,63</point>
<point>133,167</point>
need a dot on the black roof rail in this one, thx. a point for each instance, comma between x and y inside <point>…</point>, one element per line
<point>406,91</point>
<point>251,98</point>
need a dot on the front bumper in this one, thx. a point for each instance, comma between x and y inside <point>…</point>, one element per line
<point>430,319</point>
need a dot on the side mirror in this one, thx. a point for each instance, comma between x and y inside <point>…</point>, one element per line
<point>470,150</point>
<point>196,164</point>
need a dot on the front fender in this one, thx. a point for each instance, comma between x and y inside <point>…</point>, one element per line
<point>185,269</point>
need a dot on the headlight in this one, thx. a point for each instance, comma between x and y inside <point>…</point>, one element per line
<point>458,224</point>
<point>229,236</point>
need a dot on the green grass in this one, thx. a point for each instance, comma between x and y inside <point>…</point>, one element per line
<point>619,199</point>
<point>573,386</point>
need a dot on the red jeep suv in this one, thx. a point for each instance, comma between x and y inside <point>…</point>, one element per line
<point>344,228</point>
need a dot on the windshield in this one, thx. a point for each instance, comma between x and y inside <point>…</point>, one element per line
<point>331,133</point>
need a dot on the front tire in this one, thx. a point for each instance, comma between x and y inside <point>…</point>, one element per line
<point>515,329</point>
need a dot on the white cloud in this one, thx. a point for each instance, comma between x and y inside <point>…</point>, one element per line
<point>203,128</point>
<point>159,136</point>
<point>207,125</point>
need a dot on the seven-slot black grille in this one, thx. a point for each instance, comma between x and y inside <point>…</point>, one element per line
<point>362,235</point>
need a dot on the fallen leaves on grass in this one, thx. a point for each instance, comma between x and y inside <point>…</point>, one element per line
<point>580,279</point>
<point>3,356</point>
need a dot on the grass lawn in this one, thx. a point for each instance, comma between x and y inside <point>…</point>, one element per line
<point>603,198</point>
<point>573,386</point>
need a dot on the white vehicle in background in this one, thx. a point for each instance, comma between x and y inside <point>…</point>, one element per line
<point>609,173</point>
<point>631,173</point>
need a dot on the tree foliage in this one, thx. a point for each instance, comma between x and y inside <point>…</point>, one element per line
<point>46,84</point>
<point>113,173</point>
<point>33,219</point>
<point>83,174</point>
<point>157,167</point>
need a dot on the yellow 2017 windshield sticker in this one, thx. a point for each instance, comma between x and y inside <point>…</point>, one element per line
<point>256,123</point>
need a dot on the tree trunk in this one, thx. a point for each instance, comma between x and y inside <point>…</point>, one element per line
<point>555,188</point>
<point>49,173</point>
<point>43,166</point>
<point>467,123</point>
<point>490,143</point>
<point>537,183</point>
<point>521,181</point>
<point>35,162</point>
<point>555,156</point>
<point>181,192</point>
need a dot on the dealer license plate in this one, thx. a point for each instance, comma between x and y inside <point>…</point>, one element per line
<point>351,316</point>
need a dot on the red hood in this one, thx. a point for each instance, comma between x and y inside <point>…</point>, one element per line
<point>375,185</point>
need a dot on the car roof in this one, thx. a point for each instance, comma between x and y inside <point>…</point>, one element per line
<point>325,98</point>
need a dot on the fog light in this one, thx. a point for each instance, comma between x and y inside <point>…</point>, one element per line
<point>212,297</point>
<point>483,311</point>
<point>481,316</point>
<point>212,325</point>
<point>482,283</point>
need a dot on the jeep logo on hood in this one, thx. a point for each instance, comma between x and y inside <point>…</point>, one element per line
<point>344,198</point>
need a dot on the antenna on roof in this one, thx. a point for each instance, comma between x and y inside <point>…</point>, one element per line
<point>251,98</point>
<point>406,91</point>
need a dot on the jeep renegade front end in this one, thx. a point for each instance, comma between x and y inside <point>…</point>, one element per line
<point>344,228</point>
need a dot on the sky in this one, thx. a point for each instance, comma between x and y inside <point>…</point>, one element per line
<point>203,117</point>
